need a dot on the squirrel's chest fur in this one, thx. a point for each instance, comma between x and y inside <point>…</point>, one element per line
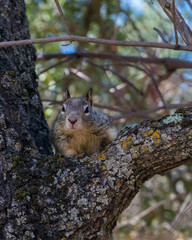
<point>84,143</point>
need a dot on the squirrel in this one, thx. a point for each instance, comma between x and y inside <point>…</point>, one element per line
<point>79,128</point>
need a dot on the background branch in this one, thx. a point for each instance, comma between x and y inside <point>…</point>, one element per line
<point>170,63</point>
<point>73,38</point>
<point>175,25</point>
<point>182,26</point>
<point>161,35</point>
<point>62,17</point>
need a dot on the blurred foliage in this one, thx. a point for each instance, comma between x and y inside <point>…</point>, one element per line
<point>119,20</point>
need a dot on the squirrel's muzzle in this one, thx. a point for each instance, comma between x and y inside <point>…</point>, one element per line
<point>72,119</point>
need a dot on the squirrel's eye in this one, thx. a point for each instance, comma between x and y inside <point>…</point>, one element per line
<point>63,108</point>
<point>87,109</point>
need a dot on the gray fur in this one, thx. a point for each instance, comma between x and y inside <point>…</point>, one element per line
<point>90,132</point>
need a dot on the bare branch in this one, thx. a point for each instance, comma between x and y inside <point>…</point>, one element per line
<point>69,58</point>
<point>150,74</point>
<point>123,79</point>
<point>175,26</point>
<point>170,63</point>
<point>80,74</point>
<point>190,4</point>
<point>182,26</point>
<point>161,35</point>
<point>157,88</point>
<point>144,113</point>
<point>185,208</point>
<point>139,216</point>
<point>73,38</point>
<point>62,17</point>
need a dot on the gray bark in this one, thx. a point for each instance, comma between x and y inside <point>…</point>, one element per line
<point>47,197</point>
<point>23,129</point>
<point>82,197</point>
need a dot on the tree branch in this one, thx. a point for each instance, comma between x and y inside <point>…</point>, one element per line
<point>62,17</point>
<point>161,35</point>
<point>81,197</point>
<point>190,4</point>
<point>182,26</point>
<point>68,59</point>
<point>175,25</point>
<point>73,38</point>
<point>122,78</point>
<point>170,63</point>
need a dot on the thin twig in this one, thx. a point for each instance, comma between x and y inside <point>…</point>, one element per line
<point>157,89</point>
<point>139,216</point>
<point>175,26</point>
<point>125,64</point>
<point>170,63</point>
<point>73,38</point>
<point>80,74</point>
<point>150,111</point>
<point>62,16</point>
<point>161,35</point>
<point>85,77</point>
<point>181,24</point>
<point>184,209</point>
<point>123,79</point>
<point>190,4</point>
<point>69,58</point>
<point>150,74</point>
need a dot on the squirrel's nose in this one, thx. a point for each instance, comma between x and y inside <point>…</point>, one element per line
<point>72,120</point>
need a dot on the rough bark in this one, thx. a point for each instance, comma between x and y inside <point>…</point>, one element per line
<point>82,197</point>
<point>47,197</point>
<point>23,128</point>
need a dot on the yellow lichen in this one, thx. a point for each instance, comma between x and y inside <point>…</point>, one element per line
<point>151,131</point>
<point>67,224</point>
<point>189,133</point>
<point>104,167</point>
<point>156,137</point>
<point>124,144</point>
<point>101,157</point>
<point>130,140</point>
<point>148,133</point>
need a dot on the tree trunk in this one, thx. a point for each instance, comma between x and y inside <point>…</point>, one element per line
<point>47,197</point>
<point>23,129</point>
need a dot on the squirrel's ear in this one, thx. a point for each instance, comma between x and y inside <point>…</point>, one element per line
<point>89,96</point>
<point>66,95</point>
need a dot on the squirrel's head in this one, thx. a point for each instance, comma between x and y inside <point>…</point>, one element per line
<point>76,112</point>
